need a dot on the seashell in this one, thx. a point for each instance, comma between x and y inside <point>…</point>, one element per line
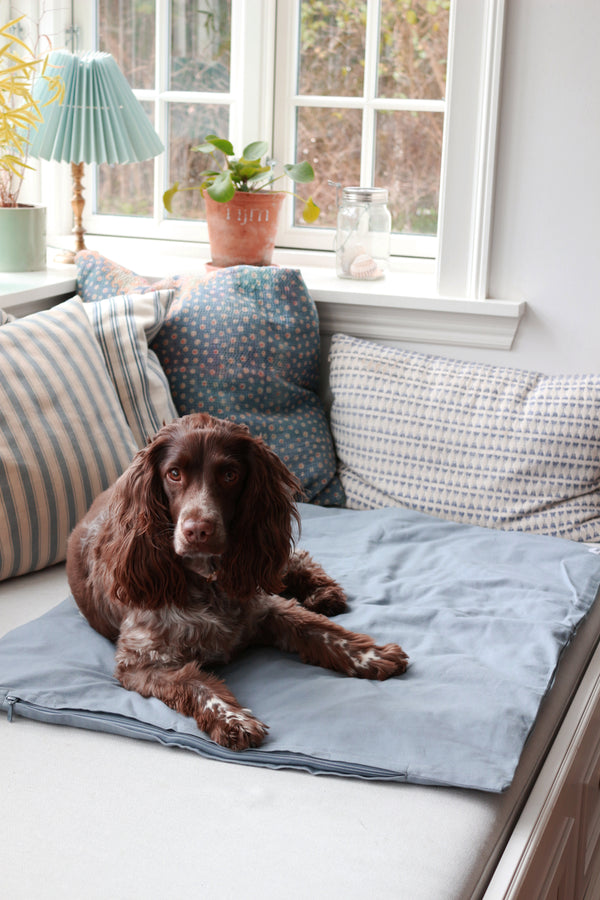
<point>349,254</point>
<point>365,267</point>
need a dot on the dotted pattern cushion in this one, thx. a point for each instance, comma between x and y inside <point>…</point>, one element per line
<point>473,443</point>
<point>124,325</point>
<point>63,435</point>
<point>242,343</point>
<point>245,345</point>
<point>99,278</point>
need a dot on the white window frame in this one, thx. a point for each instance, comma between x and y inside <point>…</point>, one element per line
<point>252,45</point>
<point>436,306</point>
<point>423,246</point>
<point>469,152</point>
<point>261,28</point>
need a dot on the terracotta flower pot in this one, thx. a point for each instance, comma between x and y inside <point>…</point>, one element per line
<point>242,231</point>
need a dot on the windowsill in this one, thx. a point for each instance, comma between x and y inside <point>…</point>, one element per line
<point>22,293</point>
<point>404,305</point>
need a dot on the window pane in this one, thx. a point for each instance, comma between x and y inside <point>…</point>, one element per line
<point>408,159</point>
<point>189,124</point>
<point>330,140</point>
<point>126,29</point>
<point>332,48</point>
<point>126,190</point>
<point>413,48</point>
<point>200,45</point>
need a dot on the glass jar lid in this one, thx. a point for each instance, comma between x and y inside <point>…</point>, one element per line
<point>365,195</point>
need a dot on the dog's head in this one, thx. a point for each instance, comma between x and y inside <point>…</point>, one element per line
<point>217,499</point>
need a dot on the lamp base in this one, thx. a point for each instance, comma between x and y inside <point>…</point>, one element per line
<point>77,204</point>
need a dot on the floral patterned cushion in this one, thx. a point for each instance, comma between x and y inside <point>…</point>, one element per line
<point>241,344</point>
<point>99,278</point>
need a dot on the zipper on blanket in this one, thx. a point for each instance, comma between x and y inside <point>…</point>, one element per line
<point>9,712</point>
<point>48,713</point>
<point>134,728</point>
<point>119,724</point>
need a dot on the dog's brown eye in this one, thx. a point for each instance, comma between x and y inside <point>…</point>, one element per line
<point>174,474</point>
<point>230,476</point>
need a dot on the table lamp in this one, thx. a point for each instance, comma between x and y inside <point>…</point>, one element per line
<point>99,121</point>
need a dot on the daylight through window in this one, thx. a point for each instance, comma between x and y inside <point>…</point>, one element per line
<point>357,88</point>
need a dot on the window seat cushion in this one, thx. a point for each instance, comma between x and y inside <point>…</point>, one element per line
<point>483,614</point>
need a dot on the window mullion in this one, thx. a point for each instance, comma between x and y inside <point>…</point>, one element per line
<point>252,71</point>
<point>285,98</point>
<point>161,84</point>
<point>369,119</point>
<point>470,138</point>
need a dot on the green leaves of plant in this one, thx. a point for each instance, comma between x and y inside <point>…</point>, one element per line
<point>222,188</point>
<point>168,196</point>
<point>301,172</point>
<point>212,142</point>
<point>244,173</point>
<point>256,150</point>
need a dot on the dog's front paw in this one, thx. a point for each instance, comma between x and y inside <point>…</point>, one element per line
<point>379,662</point>
<point>238,730</point>
<point>328,600</point>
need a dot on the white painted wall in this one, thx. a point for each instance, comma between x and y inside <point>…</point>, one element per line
<point>546,234</point>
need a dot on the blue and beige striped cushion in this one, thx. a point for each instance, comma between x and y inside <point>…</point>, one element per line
<point>473,443</point>
<point>63,435</point>
<point>124,326</point>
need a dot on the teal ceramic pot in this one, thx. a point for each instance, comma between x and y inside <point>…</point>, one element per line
<point>22,238</point>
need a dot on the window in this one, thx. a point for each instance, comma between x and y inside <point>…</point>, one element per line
<point>360,91</point>
<point>357,88</point>
<point>469,135</point>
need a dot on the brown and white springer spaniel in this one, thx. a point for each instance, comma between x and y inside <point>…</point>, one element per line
<point>183,563</point>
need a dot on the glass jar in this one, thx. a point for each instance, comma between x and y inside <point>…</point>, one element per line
<point>362,241</point>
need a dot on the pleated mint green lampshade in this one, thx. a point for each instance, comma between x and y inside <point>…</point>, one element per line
<point>100,119</point>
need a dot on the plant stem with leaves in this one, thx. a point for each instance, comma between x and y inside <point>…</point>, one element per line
<point>19,112</point>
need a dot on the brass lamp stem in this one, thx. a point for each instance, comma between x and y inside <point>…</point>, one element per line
<point>77,204</point>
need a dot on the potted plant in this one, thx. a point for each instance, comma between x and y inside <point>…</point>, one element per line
<point>241,213</point>
<point>22,226</point>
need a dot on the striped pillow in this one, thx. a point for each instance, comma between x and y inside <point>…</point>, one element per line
<point>124,326</point>
<point>486,445</point>
<point>63,435</point>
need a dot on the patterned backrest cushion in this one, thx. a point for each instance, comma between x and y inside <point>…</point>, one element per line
<point>124,325</point>
<point>242,343</point>
<point>99,278</point>
<point>487,445</point>
<point>63,435</point>
<point>245,345</point>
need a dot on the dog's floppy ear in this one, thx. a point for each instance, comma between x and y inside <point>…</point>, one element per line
<point>146,571</point>
<point>261,533</point>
